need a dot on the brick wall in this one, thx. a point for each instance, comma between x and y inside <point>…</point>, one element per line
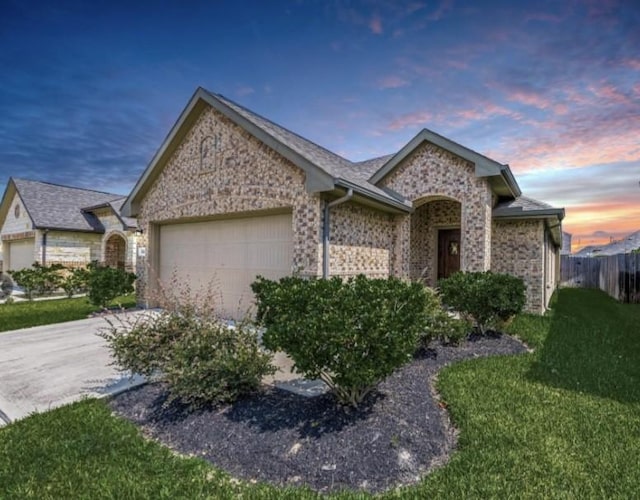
<point>361,241</point>
<point>518,249</point>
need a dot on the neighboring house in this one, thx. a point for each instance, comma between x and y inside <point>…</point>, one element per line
<point>47,223</point>
<point>566,244</point>
<point>231,195</point>
<point>627,244</point>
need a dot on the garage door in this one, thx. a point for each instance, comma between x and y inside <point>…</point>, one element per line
<point>230,253</point>
<point>20,254</point>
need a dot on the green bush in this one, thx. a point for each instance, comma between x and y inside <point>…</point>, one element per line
<point>488,299</point>
<point>447,328</point>
<point>203,360</point>
<point>76,281</point>
<point>106,283</point>
<point>39,280</point>
<point>350,334</point>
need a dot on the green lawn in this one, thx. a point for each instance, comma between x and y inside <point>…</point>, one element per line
<point>45,312</point>
<point>563,422</point>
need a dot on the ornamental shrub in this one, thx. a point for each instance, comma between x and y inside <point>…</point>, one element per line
<point>76,281</point>
<point>202,360</point>
<point>106,283</point>
<point>350,334</point>
<point>488,299</point>
<point>39,280</point>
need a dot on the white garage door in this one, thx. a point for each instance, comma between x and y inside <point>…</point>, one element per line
<point>20,254</point>
<point>230,253</point>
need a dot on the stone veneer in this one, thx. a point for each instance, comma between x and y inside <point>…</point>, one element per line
<point>430,172</point>
<point>361,241</point>
<point>220,169</point>
<point>518,249</point>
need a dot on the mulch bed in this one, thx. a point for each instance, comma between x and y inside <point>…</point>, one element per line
<point>399,434</point>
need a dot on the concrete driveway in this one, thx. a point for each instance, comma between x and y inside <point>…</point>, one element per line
<point>48,366</point>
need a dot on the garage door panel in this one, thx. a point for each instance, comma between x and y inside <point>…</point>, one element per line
<point>229,253</point>
<point>21,254</point>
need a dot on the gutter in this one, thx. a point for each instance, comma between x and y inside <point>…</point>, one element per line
<point>326,228</point>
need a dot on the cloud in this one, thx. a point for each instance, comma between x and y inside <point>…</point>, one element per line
<point>392,82</point>
<point>375,25</point>
<point>415,119</point>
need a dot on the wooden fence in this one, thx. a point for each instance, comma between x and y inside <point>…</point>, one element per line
<point>618,275</point>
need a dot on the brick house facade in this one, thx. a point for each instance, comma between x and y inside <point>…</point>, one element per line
<point>386,216</point>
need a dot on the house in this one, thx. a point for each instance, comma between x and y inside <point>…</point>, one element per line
<point>230,195</point>
<point>627,244</point>
<point>48,223</point>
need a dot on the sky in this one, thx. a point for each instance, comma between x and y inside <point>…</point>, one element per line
<point>89,90</point>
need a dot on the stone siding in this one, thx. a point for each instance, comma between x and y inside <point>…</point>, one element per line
<point>220,169</point>
<point>430,173</point>
<point>71,249</point>
<point>518,249</point>
<point>361,241</point>
<point>13,224</point>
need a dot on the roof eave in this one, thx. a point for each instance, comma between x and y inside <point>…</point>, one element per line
<point>384,203</point>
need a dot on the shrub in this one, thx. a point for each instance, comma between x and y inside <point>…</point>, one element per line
<point>447,328</point>
<point>76,281</point>
<point>350,334</point>
<point>6,286</point>
<point>203,360</point>
<point>487,298</point>
<point>106,283</point>
<point>39,280</point>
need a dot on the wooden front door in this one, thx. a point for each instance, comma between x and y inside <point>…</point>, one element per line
<point>448,252</point>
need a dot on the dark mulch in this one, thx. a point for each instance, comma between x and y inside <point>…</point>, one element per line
<point>401,432</point>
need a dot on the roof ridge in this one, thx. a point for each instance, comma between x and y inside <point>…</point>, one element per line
<point>69,187</point>
<point>247,110</point>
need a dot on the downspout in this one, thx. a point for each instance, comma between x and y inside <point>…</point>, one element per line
<point>44,246</point>
<point>326,230</point>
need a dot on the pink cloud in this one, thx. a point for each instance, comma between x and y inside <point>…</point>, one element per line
<point>416,119</point>
<point>610,93</point>
<point>632,63</point>
<point>375,25</point>
<point>392,82</point>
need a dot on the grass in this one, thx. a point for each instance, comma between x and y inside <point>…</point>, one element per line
<point>562,422</point>
<point>46,312</point>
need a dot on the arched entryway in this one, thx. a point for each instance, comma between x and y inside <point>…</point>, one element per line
<point>115,251</point>
<point>436,243</point>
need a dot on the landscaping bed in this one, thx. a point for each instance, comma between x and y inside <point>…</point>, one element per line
<point>400,432</point>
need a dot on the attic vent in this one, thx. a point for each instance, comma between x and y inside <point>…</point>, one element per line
<point>16,211</point>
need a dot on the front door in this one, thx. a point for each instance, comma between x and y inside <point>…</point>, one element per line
<point>448,252</point>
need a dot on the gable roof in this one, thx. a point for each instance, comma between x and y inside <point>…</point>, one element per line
<point>500,176</point>
<point>56,207</point>
<point>325,171</point>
